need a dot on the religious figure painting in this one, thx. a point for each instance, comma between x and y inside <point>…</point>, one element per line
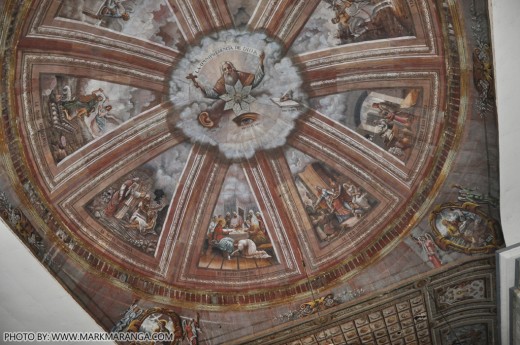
<point>389,118</point>
<point>230,93</point>
<point>333,202</point>
<point>237,237</point>
<point>339,22</point>
<point>428,249</point>
<point>148,20</point>
<point>465,228</point>
<point>78,110</point>
<point>157,323</point>
<point>134,207</point>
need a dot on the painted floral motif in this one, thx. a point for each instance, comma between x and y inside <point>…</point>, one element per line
<point>238,98</point>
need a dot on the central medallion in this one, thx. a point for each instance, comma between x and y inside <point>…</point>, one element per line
<point>229,93</point>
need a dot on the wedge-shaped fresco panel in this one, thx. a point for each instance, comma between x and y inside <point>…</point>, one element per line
<point>79,110</point>
<point>342,22</point>
<point>135,206</point>
<point>333,202</point>
<point>388,118</point>
<point>237,237</point>
<point>149,20</point>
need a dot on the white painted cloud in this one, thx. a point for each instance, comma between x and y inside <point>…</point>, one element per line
<point>297,160</point>
<point>141,22</point>
<point>236,186</point>
<point>333,106</point>
<point>168,168</point>
<point>47,83</point>
<point>241,10</point>
<point>318,33</point>
<point>73,10</point>
<point>243,49</point>
<point>148,19</point>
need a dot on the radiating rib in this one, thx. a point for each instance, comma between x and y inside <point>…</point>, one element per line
<point>200,17</point>
<point>336,144</point>
<point>127,147</point>
<point>202,184</point>
<point>194,200</point>
<point>148,65</point>
<point>112,70</point>
<point>272,194</point>
<point>328,78</point>
<point>282,19</point>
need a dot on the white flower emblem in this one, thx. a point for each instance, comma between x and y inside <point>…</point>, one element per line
<point>238,98</point>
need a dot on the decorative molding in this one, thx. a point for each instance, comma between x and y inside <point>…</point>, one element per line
<point>293,16</point>
<point>188,13</point>
<point>214,14</point>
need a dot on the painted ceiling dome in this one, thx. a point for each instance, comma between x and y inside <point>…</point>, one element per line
<point>225,169</point>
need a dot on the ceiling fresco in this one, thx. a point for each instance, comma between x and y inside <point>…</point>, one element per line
<point>258,172</point>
